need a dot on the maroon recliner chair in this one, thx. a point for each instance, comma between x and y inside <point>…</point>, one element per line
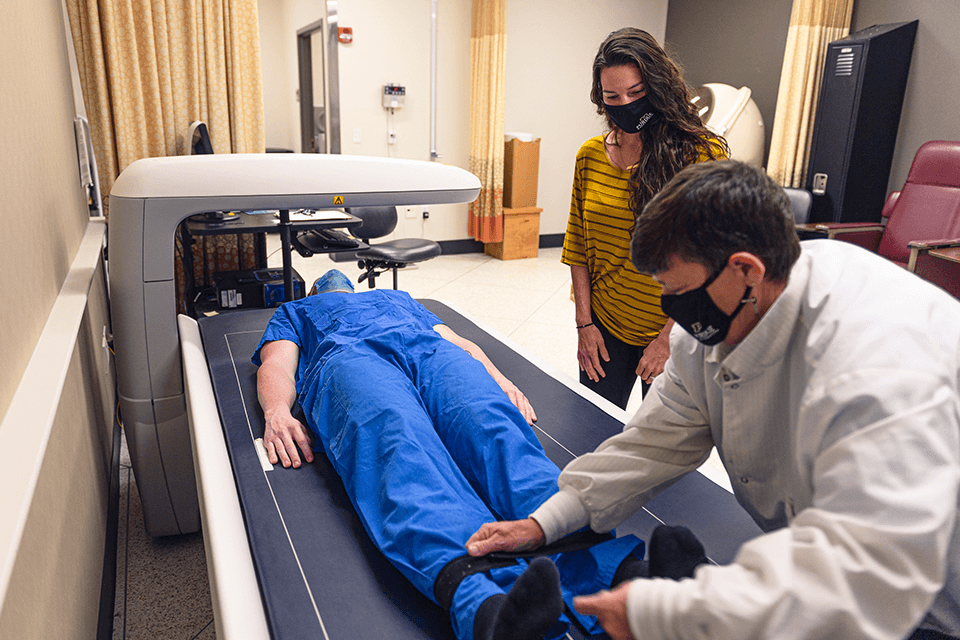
<point>921,222</point>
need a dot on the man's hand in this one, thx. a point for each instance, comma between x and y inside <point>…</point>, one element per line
<point>281,437</point>
<point>590,351</point>
<point>610,608</point>
<point>515,535</point>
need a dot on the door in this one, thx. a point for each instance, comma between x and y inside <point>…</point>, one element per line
<point>319,84</point>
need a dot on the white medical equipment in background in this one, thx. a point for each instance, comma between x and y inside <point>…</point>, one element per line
<point>149,200</point>
<point>733,114</point>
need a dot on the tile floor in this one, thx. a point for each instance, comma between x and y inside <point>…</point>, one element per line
<point>162,589</point>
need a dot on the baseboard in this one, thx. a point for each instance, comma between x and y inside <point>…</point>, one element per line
<point>551,240</point>
<point>453,247</point>
<point>108,584</point>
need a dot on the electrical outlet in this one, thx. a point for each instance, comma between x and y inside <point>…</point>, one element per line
<point>426,213</point>
<point>410,213</point>
<point>356,136</point>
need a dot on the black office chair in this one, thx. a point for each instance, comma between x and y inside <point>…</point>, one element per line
<point>198,139</point>
<point>801,201</point>
<point>385,256</point>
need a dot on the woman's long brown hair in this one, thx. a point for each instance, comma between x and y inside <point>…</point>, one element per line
<point>673,139</point>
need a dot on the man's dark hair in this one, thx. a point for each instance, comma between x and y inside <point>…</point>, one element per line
<point>712,210</point>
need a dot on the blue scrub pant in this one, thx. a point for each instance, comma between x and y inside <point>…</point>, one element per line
<point>429,448</point>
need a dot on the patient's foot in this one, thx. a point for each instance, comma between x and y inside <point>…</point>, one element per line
<point>631,568</point>
<point>675,553</point>
<point>530,609</point>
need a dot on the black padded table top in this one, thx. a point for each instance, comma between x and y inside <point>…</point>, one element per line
<point>320,576</point>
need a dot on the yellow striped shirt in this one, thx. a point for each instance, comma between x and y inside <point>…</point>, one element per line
<point>598,238</point>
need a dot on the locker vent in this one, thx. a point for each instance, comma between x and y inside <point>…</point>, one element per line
<point>844,64</point>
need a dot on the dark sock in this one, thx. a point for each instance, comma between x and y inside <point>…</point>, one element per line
<point>631,568</point>
<point>528,611</point>
<point>487,616</point>
<point>675,553</point>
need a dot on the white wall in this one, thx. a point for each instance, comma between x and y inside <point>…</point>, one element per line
<point>929,111</point>
<point>55,434</point>
<point>550,48</point>
<point>277,59</point>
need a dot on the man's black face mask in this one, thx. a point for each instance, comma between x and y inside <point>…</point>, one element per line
<point>696,312</point>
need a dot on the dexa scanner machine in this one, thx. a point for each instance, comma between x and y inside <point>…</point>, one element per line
<point>287,556</point>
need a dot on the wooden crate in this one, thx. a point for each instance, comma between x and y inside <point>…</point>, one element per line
<point>521,235</point>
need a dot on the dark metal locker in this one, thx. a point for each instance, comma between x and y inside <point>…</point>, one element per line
<point>858,115</point>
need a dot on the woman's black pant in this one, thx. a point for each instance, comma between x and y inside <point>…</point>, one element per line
<point>621,371</point>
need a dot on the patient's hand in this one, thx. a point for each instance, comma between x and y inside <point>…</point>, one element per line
<point>519,400</point>
<point>282,436</point>
<point>516,396</point>
<point>516,535</point>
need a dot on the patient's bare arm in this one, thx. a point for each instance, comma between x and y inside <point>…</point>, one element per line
<point>276,388</point>
<point>516,396</point>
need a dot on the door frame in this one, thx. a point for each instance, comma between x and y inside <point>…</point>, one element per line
<point>331,75</point>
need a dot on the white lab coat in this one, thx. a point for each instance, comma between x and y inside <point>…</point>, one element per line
<point>838,421</point>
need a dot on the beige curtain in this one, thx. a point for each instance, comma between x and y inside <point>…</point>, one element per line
<point>488,45</point>
<point>148,69</point>
<point>813,25</point>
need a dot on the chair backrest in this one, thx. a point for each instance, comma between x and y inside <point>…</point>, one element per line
<point>377,221</point>
<point>928,207</point>
<point>198,138</point>
<point>801,201</point>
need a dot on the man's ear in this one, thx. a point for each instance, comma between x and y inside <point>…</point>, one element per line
<point>750,266</point>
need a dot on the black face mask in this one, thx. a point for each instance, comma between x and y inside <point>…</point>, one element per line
<point>633,116</point>
<point>696,312</point>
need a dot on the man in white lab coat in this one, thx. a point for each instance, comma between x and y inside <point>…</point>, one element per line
<point>827,378</point>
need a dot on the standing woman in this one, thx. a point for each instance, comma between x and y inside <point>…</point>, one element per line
<point>654,133</point>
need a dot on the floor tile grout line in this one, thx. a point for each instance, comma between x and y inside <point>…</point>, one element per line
<point>479,264</point>
<point>535,311</point>
<point>500,286</point>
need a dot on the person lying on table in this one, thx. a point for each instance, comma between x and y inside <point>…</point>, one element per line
<point>827,378</point>
<point>431,441</point>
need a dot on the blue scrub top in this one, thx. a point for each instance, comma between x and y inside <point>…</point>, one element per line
<point>320,325</point>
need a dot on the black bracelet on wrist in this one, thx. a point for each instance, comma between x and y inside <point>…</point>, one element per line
<point>584,326</point>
